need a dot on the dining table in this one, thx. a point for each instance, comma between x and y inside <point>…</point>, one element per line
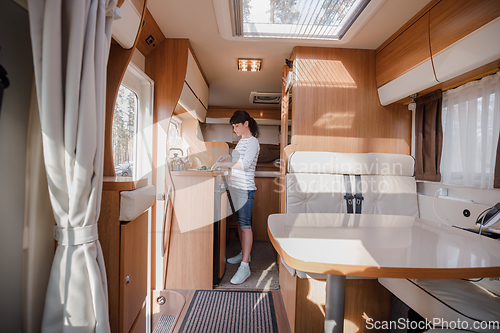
<point>378,246</point>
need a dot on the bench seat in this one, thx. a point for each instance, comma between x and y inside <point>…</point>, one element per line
<point>448,300</point>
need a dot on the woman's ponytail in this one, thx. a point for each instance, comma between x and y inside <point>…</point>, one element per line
<point>240,116</point>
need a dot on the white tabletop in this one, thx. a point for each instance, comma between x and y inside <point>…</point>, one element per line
<point>381,246</point>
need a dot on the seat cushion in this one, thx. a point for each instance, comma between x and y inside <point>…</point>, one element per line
<point>447,300</point>
<point>464,297</point>
<point>134,203</point>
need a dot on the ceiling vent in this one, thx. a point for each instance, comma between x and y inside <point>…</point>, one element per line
<point>265,98</point>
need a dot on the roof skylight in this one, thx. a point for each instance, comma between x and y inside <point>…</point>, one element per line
<point>306,19</point>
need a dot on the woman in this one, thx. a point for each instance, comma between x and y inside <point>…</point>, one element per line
<point>242,186</point>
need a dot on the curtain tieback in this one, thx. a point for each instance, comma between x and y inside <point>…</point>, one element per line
<point>76,236</point>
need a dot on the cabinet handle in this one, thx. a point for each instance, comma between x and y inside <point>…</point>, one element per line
<point>167,200</point>
<point>127,280</point>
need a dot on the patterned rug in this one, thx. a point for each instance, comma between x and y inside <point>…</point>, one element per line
<point>224,311</point>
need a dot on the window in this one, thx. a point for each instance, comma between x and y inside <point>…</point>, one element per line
<point>471,123</point>
<point>124,130</point>
<point>306,19</point>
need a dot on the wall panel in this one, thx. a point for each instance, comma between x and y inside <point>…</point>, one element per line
<point>337,106</point>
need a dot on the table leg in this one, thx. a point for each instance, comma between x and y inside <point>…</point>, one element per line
<point>334,305</point>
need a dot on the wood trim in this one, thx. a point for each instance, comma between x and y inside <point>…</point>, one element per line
<point>122,183</point>
<point>109,237</point>
<point>207,174</point>
<point>473,78</point>
<point>150,28</point>
<point>283,142</point>
<point>408,24</point>
<point>138,4</point>
<point>139,325</point>
<point>288,288</point>
<point>118,61</point>
<point>451,20</point>
<point>166,65</point>
<point>406,52</point>
<point>257,113</point>
<point>386,272</point>
<point>166,238</point>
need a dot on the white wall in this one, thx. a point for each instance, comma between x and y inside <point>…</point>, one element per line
<point>450,208</point>
<point>224,133</point>
<point>15,57</point>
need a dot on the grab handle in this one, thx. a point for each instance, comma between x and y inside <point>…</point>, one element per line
<point>167,200</point>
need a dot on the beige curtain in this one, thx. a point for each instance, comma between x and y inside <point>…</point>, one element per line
<point>70,42</point>
<point>38,244</point>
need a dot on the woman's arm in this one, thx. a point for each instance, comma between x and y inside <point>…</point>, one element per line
<point>250,153</point>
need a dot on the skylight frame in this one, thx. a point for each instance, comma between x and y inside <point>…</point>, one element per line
<point>304,30</point>
<point>224,18</point>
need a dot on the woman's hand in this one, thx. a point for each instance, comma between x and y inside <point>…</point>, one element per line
<point>224,158</point>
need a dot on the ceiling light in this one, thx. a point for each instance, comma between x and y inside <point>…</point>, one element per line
<point>249,65</point>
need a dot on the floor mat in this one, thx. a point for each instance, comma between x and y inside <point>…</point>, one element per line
<point>164,324</point>
<point>224,311</point>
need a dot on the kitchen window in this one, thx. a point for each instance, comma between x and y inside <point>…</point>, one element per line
<point>124,131</point>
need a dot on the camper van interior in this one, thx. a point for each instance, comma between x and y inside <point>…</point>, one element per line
<point>376,167</point>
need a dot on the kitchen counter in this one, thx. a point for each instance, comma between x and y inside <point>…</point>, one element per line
<point>122,183</point>
<point>199,173</point>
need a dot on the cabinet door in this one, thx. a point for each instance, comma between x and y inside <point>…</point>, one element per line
<point>266,203</point>
<point>406,52</point>
<point>451,20</point>
<point>133,269</point>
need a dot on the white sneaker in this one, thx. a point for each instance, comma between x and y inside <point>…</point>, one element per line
<point>237,259</point>
<point>241,275</point>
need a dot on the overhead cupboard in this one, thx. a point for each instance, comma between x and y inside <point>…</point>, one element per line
<point>194,95</point>
<point>446,39</point>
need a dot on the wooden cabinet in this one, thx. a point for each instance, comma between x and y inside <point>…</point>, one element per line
<point>190,248</point>
<point>440,25</point>
<point>124,247</point>
<point>406,52</point>
<point>133,269</point>
<point>266,202</point>
<point>451,20</point>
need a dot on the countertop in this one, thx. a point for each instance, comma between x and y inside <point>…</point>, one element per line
<point>199,173</point>
<point>122,183</point>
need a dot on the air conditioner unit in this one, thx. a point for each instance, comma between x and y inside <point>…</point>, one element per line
<point>264,98</point>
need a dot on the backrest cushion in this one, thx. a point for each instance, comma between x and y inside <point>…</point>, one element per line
<point>314,187</point>
<point>351,163</point>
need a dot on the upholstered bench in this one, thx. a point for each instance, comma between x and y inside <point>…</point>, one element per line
<point>376,183</point>
<point>451,301</point>
<point>370,183</point>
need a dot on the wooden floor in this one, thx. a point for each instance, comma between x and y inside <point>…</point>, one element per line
<point>279,308</point>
